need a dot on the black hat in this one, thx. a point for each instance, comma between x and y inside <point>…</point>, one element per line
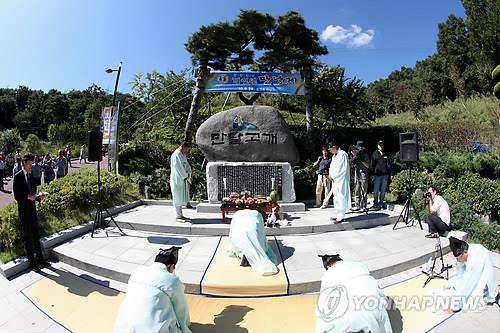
<point>169,256</point>
<point>360,144</point>
<point>380,142</point>
<point>458,246</point>
<point>329,259</point>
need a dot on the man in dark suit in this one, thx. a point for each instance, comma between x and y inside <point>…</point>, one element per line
<point>24,187</point>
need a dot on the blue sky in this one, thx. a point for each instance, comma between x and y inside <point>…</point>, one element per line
<point>67,44</point>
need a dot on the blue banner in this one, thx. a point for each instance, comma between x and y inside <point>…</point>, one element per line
<point>255,82</point>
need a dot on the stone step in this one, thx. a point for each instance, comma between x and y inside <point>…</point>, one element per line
<point>402,250</point>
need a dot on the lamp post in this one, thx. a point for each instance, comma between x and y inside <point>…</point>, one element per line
<point>109,71</point>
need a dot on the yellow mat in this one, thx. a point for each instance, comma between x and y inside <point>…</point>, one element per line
<point>83,306</point>
<point>76,303</point>
<point>225,276</point>
<point>412,318</point>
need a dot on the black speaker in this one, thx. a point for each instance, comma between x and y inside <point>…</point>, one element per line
<point>94,144</point>
<point>408,147</point>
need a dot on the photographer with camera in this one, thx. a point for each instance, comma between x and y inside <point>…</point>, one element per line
<point>439,218</point>
<point>324,182</point>
<point>361,162</point>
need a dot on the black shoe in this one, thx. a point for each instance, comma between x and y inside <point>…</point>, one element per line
<point>188,206</point>
<point>244,262</point>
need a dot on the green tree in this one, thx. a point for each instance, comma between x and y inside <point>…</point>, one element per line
<point>295,46</point>
<point>166,99</point>
<point>10,140</point>
<point>8,109</point>
<point>342,100</point>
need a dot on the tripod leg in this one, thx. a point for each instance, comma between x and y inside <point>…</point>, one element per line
<point>113,220</point>
<point>417,216</point>
<point>403,216</point>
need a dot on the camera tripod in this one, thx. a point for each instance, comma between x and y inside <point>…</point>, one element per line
<point>438,252</point>
<point>409,205</point>
<point>99,219</point>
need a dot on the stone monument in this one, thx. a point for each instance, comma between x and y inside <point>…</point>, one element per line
<point>249,148</point>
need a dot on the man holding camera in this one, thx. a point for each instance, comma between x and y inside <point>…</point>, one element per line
<point>361,163</point>
<point>439,218</point>
<point>324,182</point>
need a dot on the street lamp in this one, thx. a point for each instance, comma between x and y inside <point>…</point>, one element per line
<point>110,71</point>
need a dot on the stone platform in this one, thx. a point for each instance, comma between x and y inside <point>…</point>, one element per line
<point>383,250</point>
<point>161,218</point>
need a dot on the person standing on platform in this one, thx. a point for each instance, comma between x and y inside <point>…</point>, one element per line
<point>155,300</point>
<point>180,179</point>
<point>381,168</point>
<point>340,174</point>
<point>361,163</point>
<point>25,194</point>
<point>324,182</point>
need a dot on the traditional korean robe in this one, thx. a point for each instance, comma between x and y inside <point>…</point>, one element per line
<point>180,170</point>
<point>337,311</point>
<point>340,174</point>
<point>475,277</point>
<point>248,238</point>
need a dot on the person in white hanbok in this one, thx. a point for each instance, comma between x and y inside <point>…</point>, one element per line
<point>341,308</point>
<point>249,242</point>
<point>340,174</point>
<point>180,179</point>
<point>474,276</point>
<point>155,300</point>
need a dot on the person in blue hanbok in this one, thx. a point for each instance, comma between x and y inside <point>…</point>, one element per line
<point>341,308</point>
<point>340,174</point>
<point>249,242</point>
<point>155,300</point>
<point>180,179</point>
<point>474,276</point>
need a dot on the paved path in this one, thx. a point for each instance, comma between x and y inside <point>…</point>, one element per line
<point>7,197</point>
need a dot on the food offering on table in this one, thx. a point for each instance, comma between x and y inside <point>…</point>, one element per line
<point>245,200</point>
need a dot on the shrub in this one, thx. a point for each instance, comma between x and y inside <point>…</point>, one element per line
<point>464,219</point>
<point>34,145</point>
<point>304,181</point>
<point>71,201</point>
<point>421,181</point>
<point>481,195</point>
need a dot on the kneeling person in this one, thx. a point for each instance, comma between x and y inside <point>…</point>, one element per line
<point>249,241</point>
<point>338,311</point>
<point>475,275</point>
<point>155,300</point>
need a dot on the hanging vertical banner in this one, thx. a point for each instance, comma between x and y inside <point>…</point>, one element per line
<point>113,138</point>
<point>106,123</point>
<point>255,82</point>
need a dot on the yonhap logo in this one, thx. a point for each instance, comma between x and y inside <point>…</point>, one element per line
<point>333,303</point>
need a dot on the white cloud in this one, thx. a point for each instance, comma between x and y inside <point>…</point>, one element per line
<point>352,37</point>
